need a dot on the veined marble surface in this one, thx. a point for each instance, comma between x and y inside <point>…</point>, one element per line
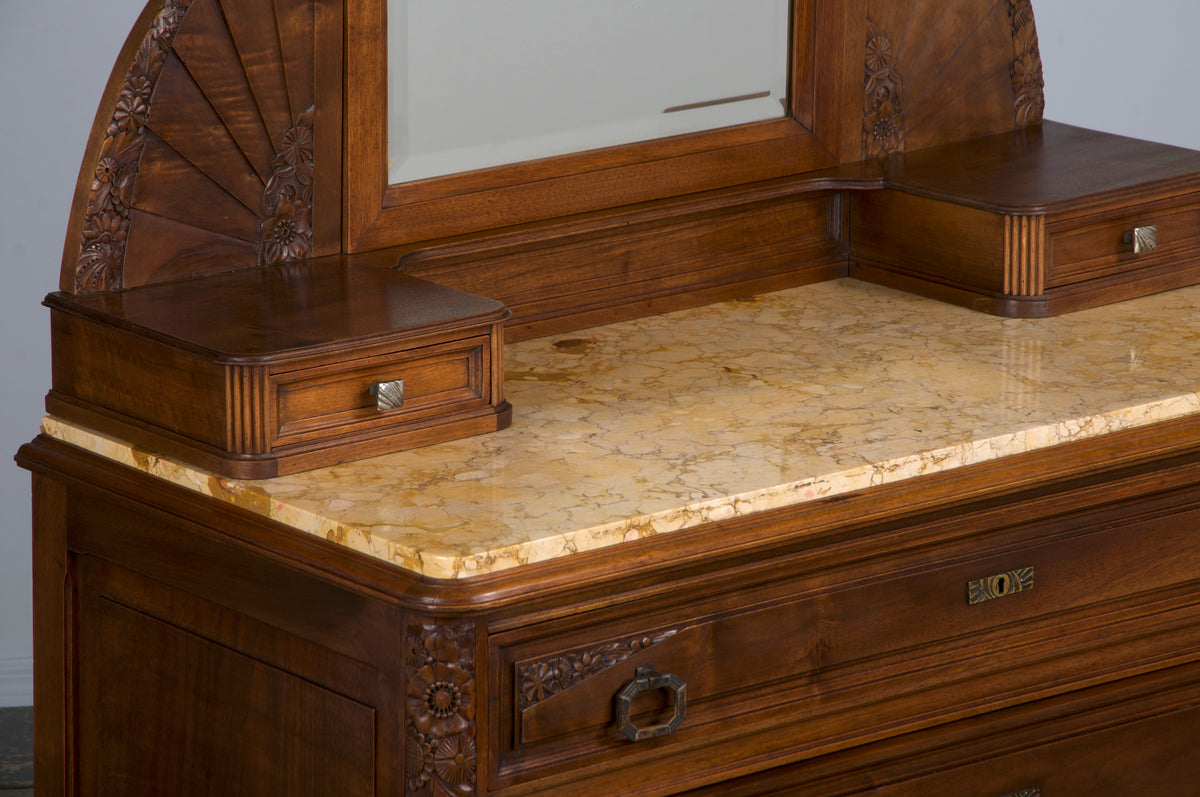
<point>660,424</point>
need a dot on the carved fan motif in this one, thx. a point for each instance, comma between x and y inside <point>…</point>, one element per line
<point>206,157</point>
<point>966,69</point>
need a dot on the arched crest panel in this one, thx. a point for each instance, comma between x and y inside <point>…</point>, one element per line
<point>205,154</point>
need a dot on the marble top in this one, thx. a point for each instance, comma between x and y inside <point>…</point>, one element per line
<point>664,423</point>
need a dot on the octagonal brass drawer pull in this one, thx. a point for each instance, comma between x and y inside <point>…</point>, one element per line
<point>647,680</point>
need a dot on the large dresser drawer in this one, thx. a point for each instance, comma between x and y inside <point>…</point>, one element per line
<point>1131,737</point>
<point>1153,757</point>
<point>814,661</point>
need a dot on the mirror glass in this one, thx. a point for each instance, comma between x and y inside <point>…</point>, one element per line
<point>480,83</point>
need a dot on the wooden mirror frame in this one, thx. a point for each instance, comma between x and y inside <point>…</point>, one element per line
<point>379,215</point>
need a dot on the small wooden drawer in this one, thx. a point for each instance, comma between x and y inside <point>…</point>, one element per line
<point>1032,222</point>
<point>271,371</point>
<point>337,398</point>
<point>1102,245</point>
<point>815,659</point>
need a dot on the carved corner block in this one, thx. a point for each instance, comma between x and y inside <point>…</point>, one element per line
<point>441,754</point>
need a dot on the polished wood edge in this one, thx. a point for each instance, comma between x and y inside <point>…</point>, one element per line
<point>1079,205</point>
<point>285,460</point>
<point>60,303</point>
<point>994,303</point>
<point>482,311</point>
<point>1178,273</point>
<point>1081,295</point>
<point>964,172</point>
<point>436,429</point>
<point>1140,455</point>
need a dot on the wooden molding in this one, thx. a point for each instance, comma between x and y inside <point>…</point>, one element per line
<point>1025,255</point>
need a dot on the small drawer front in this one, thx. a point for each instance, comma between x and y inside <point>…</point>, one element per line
<point>341,398</point>
<point>1099,246</point>
<point>866,648</point>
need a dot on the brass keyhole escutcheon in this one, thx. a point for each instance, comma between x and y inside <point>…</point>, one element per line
<point>1000,585</point>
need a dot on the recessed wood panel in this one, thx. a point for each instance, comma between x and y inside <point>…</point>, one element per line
<point>613,262</point>
<point>163,711</point>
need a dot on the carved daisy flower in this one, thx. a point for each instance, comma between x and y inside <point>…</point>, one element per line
<point>540,681</point>
<point>883,131</point>
<point>879,55</point>
<point>440,700</point>
<point>287,235</point>
<point>104,228</point>
<point>297,147</point>
<point>131,113</point>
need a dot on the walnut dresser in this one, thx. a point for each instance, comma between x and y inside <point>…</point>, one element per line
<point>855,451</point>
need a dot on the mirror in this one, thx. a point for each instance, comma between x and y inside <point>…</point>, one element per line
<point>479,83</point>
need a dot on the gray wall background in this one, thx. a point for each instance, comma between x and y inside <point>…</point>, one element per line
<point>1106,66</point>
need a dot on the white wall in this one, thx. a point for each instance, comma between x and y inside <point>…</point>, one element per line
<point>1121,66</point>
<point>55,57</point>
<point>1106,67</point>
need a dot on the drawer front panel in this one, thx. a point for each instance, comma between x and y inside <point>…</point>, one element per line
<point>1154,757</point>
<point>1083,249</point>
<point>835,652</point>
<point>333,399</point>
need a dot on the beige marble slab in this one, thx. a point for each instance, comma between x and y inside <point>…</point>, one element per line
<point>660,424</point>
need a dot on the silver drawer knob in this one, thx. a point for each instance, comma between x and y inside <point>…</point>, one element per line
<point>388,395</point>
<point>1144,239</point>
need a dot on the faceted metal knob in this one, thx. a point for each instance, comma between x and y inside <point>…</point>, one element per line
<point>388,395</point>
<point>1144,239</point>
